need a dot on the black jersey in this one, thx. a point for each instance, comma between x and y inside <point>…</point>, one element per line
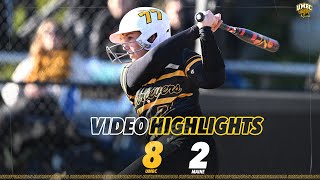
<point>171,93</point>
<point>166,80</point>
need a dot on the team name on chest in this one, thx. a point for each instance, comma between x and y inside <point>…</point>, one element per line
<point>149,94</point>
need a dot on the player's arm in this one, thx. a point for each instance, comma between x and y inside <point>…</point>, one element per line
<point>207,71</point>
<point>154,61</point>
<point>210,71</point>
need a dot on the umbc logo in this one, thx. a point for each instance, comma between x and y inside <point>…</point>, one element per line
<point>304,9</point>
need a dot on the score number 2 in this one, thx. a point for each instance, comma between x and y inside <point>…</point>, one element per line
<point>147,14</point>
<point>196,162</point>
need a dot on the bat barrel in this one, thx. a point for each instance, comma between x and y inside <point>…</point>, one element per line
<point>257,39</point>
<point>247,35</point>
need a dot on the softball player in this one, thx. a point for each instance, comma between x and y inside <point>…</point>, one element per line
<point>164,78</point>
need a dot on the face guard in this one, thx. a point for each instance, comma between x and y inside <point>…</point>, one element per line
<point>121,57</point>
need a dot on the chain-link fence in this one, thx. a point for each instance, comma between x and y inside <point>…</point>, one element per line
<point>45,115</point>
<point>55,75</point>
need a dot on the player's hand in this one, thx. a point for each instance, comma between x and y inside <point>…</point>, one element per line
<point>218,21</point>
<point>213,21</point>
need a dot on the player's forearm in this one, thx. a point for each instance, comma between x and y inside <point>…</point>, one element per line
<point>212,59</point>
<point>211,73</point>
<point>214,79</point>
<point>152,63</point>
<point>207,80</point>
<point>213,63</point>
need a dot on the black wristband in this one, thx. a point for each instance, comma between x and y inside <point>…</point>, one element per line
<point>206,33</point>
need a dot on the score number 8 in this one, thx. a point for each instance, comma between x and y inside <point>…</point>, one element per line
<point>152,159</point>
